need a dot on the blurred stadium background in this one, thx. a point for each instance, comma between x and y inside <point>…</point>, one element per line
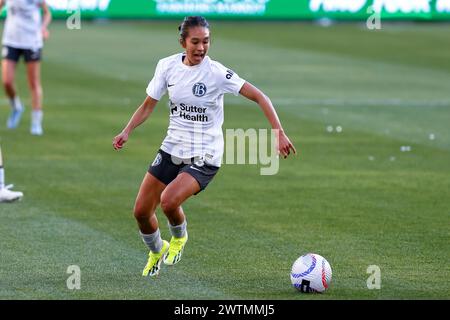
<point>368,110</point>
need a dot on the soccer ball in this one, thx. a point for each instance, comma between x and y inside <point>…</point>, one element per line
<point>311,273</point>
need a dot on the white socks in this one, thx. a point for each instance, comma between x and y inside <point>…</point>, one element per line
<point>178,231</point>
<point>36,117</point>
<point>153,241</point>
<point>36,122</point>
<point>15,103</point>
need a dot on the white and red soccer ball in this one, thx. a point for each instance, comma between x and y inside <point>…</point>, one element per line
<point>311,273</point>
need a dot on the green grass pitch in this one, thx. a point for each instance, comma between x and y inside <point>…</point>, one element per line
<point>353,197</point>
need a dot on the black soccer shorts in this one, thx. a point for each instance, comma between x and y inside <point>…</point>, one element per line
<point>14,54</point>
<point>166,168</point>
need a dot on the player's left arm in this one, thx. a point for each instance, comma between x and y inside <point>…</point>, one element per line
<point>252,93</point>
<point>47,18</point>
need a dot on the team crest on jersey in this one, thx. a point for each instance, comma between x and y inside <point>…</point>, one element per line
<point>157,160</point>
<point>199,89</point>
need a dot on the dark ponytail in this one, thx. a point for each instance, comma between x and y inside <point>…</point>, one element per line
<point>191,22</point>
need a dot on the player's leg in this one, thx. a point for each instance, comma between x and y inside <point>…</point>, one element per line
<point>161,173</point>
<point>8,75</point>
<point>178,191</point>
<point>146,203</point>
<point>34,82</point>
<point>9,63</point>
<point>6,195</point>
<point>145,213</point>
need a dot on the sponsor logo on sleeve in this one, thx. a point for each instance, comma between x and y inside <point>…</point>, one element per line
<point>229,74</point>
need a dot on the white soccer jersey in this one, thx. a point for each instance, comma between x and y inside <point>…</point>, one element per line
<point>195,105</point>
<point>23,24</point>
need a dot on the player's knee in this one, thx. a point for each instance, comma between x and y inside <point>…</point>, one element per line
<point>168,203</point>
<point>36,88</point>
<point>141,211</point>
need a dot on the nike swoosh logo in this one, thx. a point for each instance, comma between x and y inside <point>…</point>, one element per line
<point>196,169</point>
<point>170,85</point>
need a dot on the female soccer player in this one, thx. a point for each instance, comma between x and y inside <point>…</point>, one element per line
<point>23,35</point>
<point>191,153</point>
<point>6,195</point>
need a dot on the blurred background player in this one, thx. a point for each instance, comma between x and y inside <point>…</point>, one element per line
<point>23,34</point>
<point>6,195</point>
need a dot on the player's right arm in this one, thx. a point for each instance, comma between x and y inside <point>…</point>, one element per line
<point>47,18</point>
<point>139,117</point>
<point>2,3</point>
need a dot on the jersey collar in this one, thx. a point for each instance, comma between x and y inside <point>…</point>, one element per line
<point>180,60</point>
